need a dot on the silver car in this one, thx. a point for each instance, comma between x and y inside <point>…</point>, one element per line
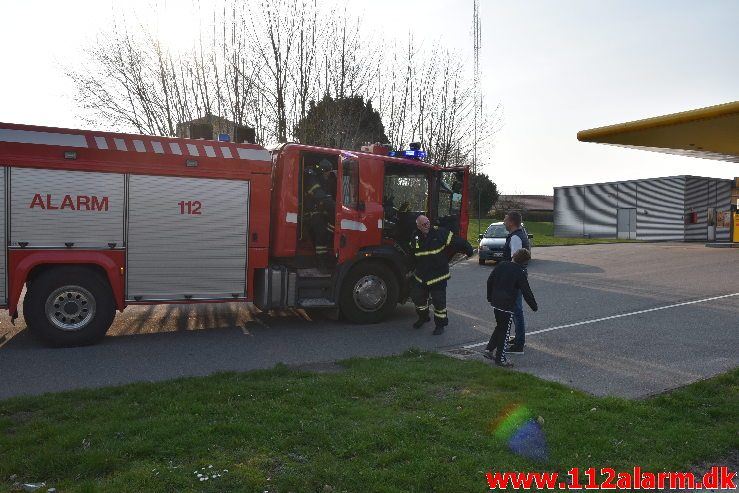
<point>492,242</point>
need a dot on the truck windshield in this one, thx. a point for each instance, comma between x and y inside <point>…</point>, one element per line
<point>406,191</point>
<point>404,197</point>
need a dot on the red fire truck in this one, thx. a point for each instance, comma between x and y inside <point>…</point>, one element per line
<point>94,221</point>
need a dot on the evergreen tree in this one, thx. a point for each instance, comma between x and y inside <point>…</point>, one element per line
<point>346,123</point>
<point>483,194</point>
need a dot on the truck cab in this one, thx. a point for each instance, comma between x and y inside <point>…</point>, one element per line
<point>377,200</point>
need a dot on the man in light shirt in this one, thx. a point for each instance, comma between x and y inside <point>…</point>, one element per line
<point>516,240</point>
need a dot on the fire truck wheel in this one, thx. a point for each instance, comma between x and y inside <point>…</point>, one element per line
<point>69,306</point>
<point>369,294</point>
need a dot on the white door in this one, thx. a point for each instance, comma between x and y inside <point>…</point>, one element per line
<point>711,224</point>
<point>626,221</point>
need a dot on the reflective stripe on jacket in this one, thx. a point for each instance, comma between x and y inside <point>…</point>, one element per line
<point>431,262</point>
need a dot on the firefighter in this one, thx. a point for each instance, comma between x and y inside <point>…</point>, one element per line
<point>328,205</point>
<point>431,271</point>
<point>321,209</point>
<point>406,227</point>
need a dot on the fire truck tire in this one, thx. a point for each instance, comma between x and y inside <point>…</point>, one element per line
<point>369,294</point>
<point>69,306</point>
<point>481,261</point>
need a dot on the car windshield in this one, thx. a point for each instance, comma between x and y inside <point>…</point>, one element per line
<point>496,231</point>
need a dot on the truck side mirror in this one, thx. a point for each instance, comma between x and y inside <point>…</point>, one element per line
<point>479,237</point>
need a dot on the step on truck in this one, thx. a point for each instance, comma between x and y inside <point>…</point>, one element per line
<point>92,222</point>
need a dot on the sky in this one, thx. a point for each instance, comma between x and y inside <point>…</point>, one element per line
<point>555,66</point>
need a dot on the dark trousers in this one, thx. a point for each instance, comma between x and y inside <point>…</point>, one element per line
<point>420,294</point>
<point>319,233</point>
<point>503,322</point>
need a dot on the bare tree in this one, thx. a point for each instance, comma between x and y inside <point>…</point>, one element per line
<point>432,101</point>
<point>263,63</point>
<point>304,78</point>
<point>133,81</point>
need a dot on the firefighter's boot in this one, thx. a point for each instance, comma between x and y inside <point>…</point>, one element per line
<point>423,317</point>
<point>440,320</point>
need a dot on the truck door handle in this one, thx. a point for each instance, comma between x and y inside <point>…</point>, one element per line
<point>342,241</point>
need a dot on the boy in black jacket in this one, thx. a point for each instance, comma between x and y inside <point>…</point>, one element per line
<point>503,284</point>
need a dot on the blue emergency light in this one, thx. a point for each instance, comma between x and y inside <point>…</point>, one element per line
<point>224,138</point>
<point>409,154</point>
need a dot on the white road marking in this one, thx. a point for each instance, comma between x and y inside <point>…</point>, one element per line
<point>469,346</point>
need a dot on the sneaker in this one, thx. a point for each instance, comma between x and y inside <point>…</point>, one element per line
<point>488,354</point>
<point>504,363</point>
<point>418,323</point>
<point>438,330</point>
<point>513,349</point>
<point>511,341</point>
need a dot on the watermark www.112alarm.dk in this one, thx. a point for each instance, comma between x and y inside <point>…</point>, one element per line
<point>609,479</point>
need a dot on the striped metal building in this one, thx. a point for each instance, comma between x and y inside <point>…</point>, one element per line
<point>681,208</point>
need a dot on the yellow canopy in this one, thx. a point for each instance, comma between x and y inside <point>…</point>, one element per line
<point>709,133</point>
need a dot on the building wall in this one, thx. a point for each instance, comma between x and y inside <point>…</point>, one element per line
<point>700,195</point>
<point>568,212</point>
<point>696,200</point>
<point>661,205</point>
<point>626,194</point>
<point>659,209</point>
<point>723,203</point>
<point>601,202</point>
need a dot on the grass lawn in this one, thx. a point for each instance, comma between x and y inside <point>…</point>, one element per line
<point>543,234</point>
<point>416,422</point>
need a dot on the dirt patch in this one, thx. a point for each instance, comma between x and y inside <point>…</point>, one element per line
<point>461,353</point>
<point>442,393</point>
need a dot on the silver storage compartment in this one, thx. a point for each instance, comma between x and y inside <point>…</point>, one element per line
<point>65,209</point>
<point>274,287</point>
<point>187,238</point>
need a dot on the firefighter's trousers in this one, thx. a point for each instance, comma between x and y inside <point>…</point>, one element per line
<point>420,294</point>
<point>320,234</point>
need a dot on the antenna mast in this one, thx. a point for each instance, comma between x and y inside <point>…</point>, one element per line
<point>478,97</point>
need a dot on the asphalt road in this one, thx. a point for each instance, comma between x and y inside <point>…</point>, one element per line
<point>573,339</point>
